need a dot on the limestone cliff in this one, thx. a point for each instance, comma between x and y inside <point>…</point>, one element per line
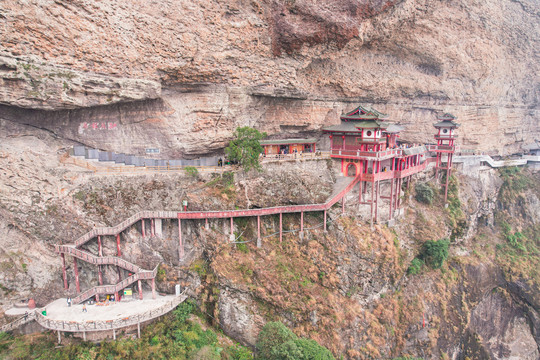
<point>281,66</point>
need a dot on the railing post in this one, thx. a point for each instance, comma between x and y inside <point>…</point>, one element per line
<point>76,270</point>
<point>64,272</point>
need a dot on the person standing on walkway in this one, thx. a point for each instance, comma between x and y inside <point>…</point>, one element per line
<point>84,308</point>
<point>69,301</point>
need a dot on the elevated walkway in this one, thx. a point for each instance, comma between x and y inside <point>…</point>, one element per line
<point>472,160</point>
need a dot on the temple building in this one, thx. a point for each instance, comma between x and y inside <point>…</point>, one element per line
<point>288,146</point>
<point>368,147</point>
<point>445,145</point>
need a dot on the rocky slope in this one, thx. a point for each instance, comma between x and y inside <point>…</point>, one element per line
<point>281,66</point>
<point>348,288</point>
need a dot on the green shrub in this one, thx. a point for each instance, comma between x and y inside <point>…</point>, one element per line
<point>301,349</point>
<point>243,247</point>
<point>191,171</point>
<point>183,311</point>
<point>434,253</point>
<point>272,335</point>
<point>415,267</point>
<point>515,239</point>
<point>237,352</point>
<point>277,342</point>
<point>424,193</point>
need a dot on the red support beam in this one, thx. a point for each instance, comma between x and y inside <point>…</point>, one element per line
<point>324,223</point>
<point>76,271</point>
<point>100,275</point>
<point>100,248</point>
<point>140,289</point>
<point>280,227</point>
<point>391,199</point>
<point>302,221</point>
<point>180,245</point>
<point>152,230</point>
<point>118,252</point>
<point>377,190</point>
<point>142,225</point>
<point>64,272</point>
<point>232,228</point>
<point>258,227</point>
<point>153,288</point>
<point>371,201</point>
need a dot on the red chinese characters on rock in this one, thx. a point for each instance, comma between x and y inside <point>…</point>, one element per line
<point>97,126</point>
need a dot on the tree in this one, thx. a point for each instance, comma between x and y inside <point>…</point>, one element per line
<point>246,148</point>
<point>272,335</point>
<point>277,342</point>
<point>435,253</point>
<point>424,193</point>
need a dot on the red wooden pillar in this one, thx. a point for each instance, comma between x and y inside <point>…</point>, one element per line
<point>118,252</point>
<point>100,275</point>
<point>116,297</point>
<point>391,198</point>
<point>142,225</point>
<point>280,227</point>
<point>324,223</point>
<point>258,231</point>
<point>152,230</point>
<point>448,171</point>
<point>140,289</point>
<point>371,201</point>
<point>100,248</point>
<point>301,221</point>
<point>153,288</point>
<point>180,244</point>
<point>232,230</point>
<point>64,272</point>
<point>76,270</point>
<point>399,192</point>
<point>377,189</point>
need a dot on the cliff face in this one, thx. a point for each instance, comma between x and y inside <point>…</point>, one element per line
<point>281,66</point>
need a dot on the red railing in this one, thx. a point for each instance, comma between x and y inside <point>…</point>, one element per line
<point>445,148</point>
<point>97,260</point>
<point>111,289</point>
<point>379,155</point>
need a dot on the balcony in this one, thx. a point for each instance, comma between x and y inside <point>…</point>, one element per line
<point>365,155</point>
<point>441,148</point>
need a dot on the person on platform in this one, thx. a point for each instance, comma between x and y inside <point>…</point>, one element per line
<point>69,301</point>
<point>84,308</point>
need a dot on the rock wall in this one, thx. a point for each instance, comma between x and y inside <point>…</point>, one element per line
<point>285,67</point>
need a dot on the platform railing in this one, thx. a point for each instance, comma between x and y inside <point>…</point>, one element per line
<point>111,289</point>
<point>100,325</point>
<point>19,321</point>
<point>97,260</point>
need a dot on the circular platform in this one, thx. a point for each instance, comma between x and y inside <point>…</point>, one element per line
<point>111,310</point>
